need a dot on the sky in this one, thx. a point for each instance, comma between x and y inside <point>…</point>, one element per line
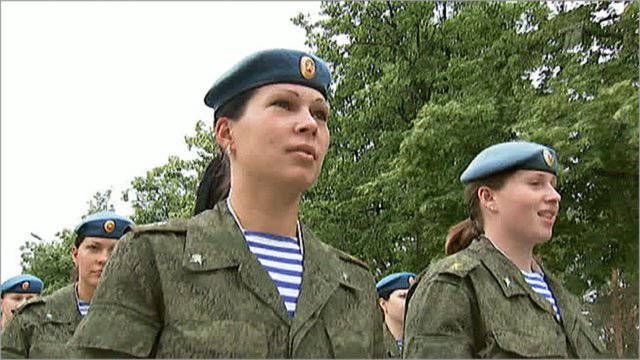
<point>94,94</point>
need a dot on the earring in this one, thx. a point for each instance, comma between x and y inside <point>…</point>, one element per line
<point>228,150</point>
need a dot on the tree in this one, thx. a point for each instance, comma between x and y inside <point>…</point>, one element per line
<point>423,87</point>
<point>168,191</point>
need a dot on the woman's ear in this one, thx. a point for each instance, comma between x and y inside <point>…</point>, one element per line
<point>223,132</point>
<point>74,254</point>
<point>383,304</point>
<point>487,198</point>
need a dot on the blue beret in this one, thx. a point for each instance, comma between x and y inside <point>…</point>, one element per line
<point>395,281</point>
<point>511,156</point>
<point>105,224</point>
<point>270,67</point>
<point>23,284</point>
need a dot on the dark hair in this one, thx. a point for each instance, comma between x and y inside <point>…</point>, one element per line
<point>216,180</point>
<point>462,234</point>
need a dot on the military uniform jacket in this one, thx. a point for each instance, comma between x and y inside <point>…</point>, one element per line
<point>476,303</point>
<point>42,327</point>
<point>390,344</point>
<point>192,288</point>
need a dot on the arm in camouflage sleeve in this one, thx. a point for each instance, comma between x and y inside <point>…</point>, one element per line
<point>125,316</point>
<point>439,321</point>
<point>14,339</point>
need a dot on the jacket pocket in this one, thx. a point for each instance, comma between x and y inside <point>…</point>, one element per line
<point>587,341</point>
<point>506,343</point>
<point>348,343</point>
<point>213,339</point>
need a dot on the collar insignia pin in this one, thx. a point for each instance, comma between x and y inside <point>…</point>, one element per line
<point>196,258</point>
<point>507,281</point>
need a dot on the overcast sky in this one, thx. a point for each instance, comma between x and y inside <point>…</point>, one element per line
<point>96,93</point>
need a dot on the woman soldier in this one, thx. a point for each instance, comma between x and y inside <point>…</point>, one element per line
<point>392,294</point>
<point>244,279</point>
<point>41,328</point>
<point>490,297</point>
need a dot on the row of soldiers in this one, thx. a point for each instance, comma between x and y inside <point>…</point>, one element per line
<point>106,227</point>
<point>245,278</point>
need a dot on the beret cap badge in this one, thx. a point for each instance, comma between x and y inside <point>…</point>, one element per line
<point>25,285</point>
<point>548,157</point>
<point>307,67</point>
<point>109,226</point>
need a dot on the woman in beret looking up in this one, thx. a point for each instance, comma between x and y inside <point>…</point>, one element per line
<point>243,278</point>
<point>42,327</point>
<point>490,297</point>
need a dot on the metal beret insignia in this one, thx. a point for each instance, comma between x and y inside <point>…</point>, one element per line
<point>307,67</point>
<point>109,226</point>
<point>412,280</point>
<point>548,157</point>
<point>25,285</point>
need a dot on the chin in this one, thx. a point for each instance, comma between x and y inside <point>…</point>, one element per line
<point>300,181</point>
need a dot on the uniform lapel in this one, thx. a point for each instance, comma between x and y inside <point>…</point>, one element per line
<point>509,276</point>
<point>564,302</point>
<point>320,278</point>
<point>214,241</point>
<point>64,306</point>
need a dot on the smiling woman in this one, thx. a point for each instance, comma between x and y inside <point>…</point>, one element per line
<point>490,297</point>
<point>244,278</point>
<point>42,326</point>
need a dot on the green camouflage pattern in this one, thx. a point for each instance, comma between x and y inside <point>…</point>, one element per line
<point>476,303</point>
<point>192,289</point>
<point>42,326</point>
<point>391,350</point>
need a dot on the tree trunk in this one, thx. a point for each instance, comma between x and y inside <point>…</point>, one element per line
<point>617,312</point>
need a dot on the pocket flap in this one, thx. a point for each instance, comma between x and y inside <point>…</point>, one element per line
<point>530,345</point>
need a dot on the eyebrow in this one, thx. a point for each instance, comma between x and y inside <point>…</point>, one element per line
<point>291,91</point>
<point>320,100</point>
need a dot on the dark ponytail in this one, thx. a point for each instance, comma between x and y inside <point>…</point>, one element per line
<point>463,233</point>
<point>215,184</point>
<point>216,180</point>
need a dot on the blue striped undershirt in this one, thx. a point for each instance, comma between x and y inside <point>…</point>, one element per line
<point>83,307</point>
<point>282,258</point>
<point>539,285</point>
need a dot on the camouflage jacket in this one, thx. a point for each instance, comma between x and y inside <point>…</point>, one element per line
<point>476,303</point>
<point>192,289</point>
<point>42,327</point>
<point>390,345</point>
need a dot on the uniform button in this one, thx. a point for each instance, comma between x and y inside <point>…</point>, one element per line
<point>345,276</point>
<point>49,316</point>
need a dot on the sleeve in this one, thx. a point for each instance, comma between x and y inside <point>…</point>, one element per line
<point>15,339</point>
<point>439,321</point>
<point>125,316</point>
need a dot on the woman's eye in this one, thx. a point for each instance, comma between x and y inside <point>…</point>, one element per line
<point>320,115</point>
<point>282,104</point>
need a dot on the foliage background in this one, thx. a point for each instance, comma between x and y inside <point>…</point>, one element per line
<point>420,88</point>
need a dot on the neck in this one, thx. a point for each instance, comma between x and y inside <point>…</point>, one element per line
<point>395,328</point>
<point>262,208</point>
<point>85,291</point>
<point>520,253</point>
